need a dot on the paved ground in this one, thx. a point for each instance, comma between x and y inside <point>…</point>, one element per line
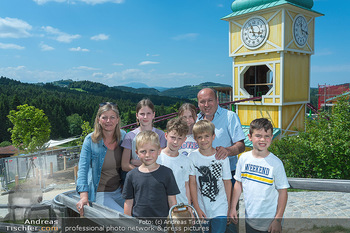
<point>308,209</point>
<point>315,205</point>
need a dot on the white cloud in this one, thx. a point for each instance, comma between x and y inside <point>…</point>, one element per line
<point>41,2</point>
<point>125,76</point>
<point>60,36</point>
<point>45,47</point>
<point>148,63</point>
<point>14,68</point>
<point>94,2</point>
<point>78,49</point>
<point>91,2</point>
<point>85,68</point>
<point>100,37</point>
<point>14,28</point>
<point>152,55</point>
<point>188,36</point>
<point>118,64</point>
<point>10,46</point>
<point>98,74</point>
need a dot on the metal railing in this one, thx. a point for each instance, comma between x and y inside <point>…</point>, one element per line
<point>174,114</point>
<point>333,185</point>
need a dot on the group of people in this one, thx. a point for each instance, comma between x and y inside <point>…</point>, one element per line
<point>145,172</point>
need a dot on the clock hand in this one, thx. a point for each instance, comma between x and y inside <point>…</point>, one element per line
<point>251,27</point>
<point>305,32</point>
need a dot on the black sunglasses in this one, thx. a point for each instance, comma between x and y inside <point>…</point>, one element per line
<point>105,103</point>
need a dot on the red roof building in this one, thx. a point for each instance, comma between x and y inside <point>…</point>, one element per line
<point>8,151</point>
<point>326,93</point>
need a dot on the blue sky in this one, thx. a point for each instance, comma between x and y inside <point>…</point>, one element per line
<point>157,42</point>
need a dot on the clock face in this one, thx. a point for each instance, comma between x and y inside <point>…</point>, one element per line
<point>254,32</point>
<point>300,30</point>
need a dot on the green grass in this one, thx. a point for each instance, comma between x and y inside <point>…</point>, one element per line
<point>78,89</point>
<point>13,184</point>
<point>301,190</point>
<point>330,229</point>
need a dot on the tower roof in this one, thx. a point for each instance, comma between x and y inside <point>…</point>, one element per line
<point>240,7</point>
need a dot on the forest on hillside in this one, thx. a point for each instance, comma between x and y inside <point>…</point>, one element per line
<point>65,106</point>
<point>68,103</point>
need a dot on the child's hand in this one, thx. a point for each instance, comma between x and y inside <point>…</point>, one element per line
<point>201,214</point>
<point>233,215</point>
<point>275,226</point>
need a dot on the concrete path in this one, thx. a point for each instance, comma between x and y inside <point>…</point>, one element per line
<point>308,209</point>
<point>314,205</point>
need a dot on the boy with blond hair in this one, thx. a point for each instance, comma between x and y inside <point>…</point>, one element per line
<point>176,130</point>
<point>210,179</point>
<point>149,190</point>
<point>264,182</point>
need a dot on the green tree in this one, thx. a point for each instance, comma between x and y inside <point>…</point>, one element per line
<point>14,102</point>
<point>31,128</point>
<point>74,124</point>
<point>5,143</point>
<point>86,128</point>
<point>5,123</point>
<point>59,123</point>
<point>323,150</point>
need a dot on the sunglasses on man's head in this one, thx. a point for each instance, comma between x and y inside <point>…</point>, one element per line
<point>105,103</point>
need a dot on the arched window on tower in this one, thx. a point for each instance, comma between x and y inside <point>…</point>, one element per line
<point>258,80</point>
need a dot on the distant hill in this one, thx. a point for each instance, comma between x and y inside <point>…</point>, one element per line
<point>147,91</point>
<point>63,83</point>
<point>140,89</point>
<point>136,85</point>
<point>190,92</point>
<point>185,92</point>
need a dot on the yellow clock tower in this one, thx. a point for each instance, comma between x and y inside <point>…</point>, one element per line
<point>271,42</point>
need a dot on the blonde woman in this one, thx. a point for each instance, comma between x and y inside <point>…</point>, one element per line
<point>100,161</point>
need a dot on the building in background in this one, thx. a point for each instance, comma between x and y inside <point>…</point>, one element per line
<point>328,95</point>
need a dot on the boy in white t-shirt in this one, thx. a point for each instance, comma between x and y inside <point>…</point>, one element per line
<point>263,179</point>
<point>170,157</point>
<point>210,179</point>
